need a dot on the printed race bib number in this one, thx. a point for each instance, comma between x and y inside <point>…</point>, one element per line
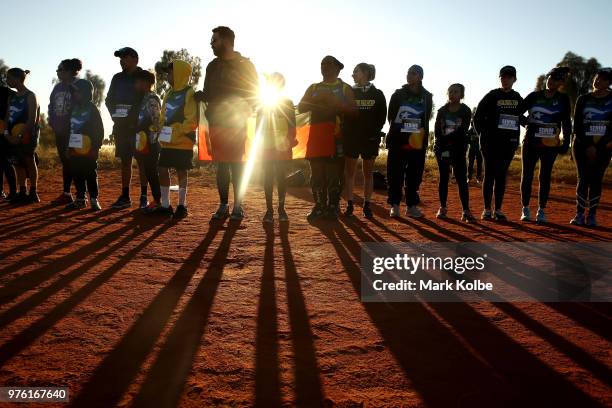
<point>445,154</point>
<point>121,111</point>
<point>546,132</point>
<point>411,125</point>
<point>596,130</point>
<point>166,134</point>
<point>508,122</point>
<point>76,141</point>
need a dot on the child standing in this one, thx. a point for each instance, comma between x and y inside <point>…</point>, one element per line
<point>86,135</point>
<point>179,121</point>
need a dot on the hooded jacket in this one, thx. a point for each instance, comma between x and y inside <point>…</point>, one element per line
<point>122,101</point>
<point>85,120</point>
<point>497,119</point>
<point>409,115</point>
<point>180,110</point>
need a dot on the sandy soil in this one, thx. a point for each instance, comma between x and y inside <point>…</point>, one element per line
<point>129,310</point>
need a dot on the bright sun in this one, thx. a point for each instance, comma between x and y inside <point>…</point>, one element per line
<point>269,94</point>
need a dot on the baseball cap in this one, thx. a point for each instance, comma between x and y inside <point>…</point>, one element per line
<point>508,70</point>
<point>126,51</point>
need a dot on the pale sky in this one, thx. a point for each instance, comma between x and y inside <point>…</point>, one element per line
<point>454,41</point>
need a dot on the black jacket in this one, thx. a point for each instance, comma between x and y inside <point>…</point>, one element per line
<point>371,114</point>
<point>553,112</point>
<point>405,97</point>
<point>493,113</point>
<point>451,129</point>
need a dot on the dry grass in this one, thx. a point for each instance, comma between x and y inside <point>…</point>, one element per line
<point>564,171</point>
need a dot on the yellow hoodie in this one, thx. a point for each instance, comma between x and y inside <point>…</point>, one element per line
<point>179,110</point>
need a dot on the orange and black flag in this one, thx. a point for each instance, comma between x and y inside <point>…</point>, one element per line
<point>233,143</point>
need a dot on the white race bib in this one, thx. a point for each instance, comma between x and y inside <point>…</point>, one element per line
<point>508,122</point>
<point>121,111</point>
<point>75,141</point>
<point>445,154</point>
<point>596,130</point>
<point>411,125</point>
<point>138,139</point>
<point>166,134</point>
<point>546,132</point>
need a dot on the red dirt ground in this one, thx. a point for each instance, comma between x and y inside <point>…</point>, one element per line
<point>127,310</point>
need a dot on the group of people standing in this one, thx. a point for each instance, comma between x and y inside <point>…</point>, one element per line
<point>160,135</point>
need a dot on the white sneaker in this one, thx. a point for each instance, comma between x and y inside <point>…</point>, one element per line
<point>414,212</point>
<point>540,216</point>
<point>441,212</point>
<point>395,211</point>
<point>526,214</point>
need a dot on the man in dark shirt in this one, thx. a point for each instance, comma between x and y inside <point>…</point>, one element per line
<point>230,92</point>
<point>122,102</point>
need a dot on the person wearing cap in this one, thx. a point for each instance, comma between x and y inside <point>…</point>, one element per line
<point>362,134</point>
<point>6,168</point>
<point>549,114</point>
<point>410,110</point>
<point>147,133</point>
<point>122,101</point>
<point>497,122</point>
<point>592,147</point>
<point>21,134</point>
<point>179,121</point>
<point>86,135</point>
<point>450,145</point>
<point>329,103</point>
<point>231,94</point>
<point>60,105</point>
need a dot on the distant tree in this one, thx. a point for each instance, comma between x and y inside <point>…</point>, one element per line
<point>99,86</point>
<point>161,86</point>
<point>47,138</point>
<point>581,75</point>
<point>3,69</point>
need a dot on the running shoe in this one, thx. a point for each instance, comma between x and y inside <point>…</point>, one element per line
<point>282,215</point>
<point>94,204</point>
<point>268,217</point>
<point>395,211</point>
<point>414,212</point>
<point>237,213</point>
<point>180,212</point>
<point>33,197</point>
<point>486,215</point>
<point>467,217</point>
<point>578,219</point>
<point>540,216</point>
<point>63,199</point>
<point>441,212</point>
<point>500,216</point>
<point>144,202</point>
<point>77,204</point>
<point>349,209</point>
<point>122,202</point>
<point>316,213</point>
<point>221,213</point>
<point>19,198</point>
<point>591,221</point>
<point>526,214</point>
<point>367,211</point>
<point>151,208</point>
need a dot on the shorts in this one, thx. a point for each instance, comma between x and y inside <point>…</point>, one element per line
<point>367,149</point>
<point>176,159</point>
<point>125,145</point>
